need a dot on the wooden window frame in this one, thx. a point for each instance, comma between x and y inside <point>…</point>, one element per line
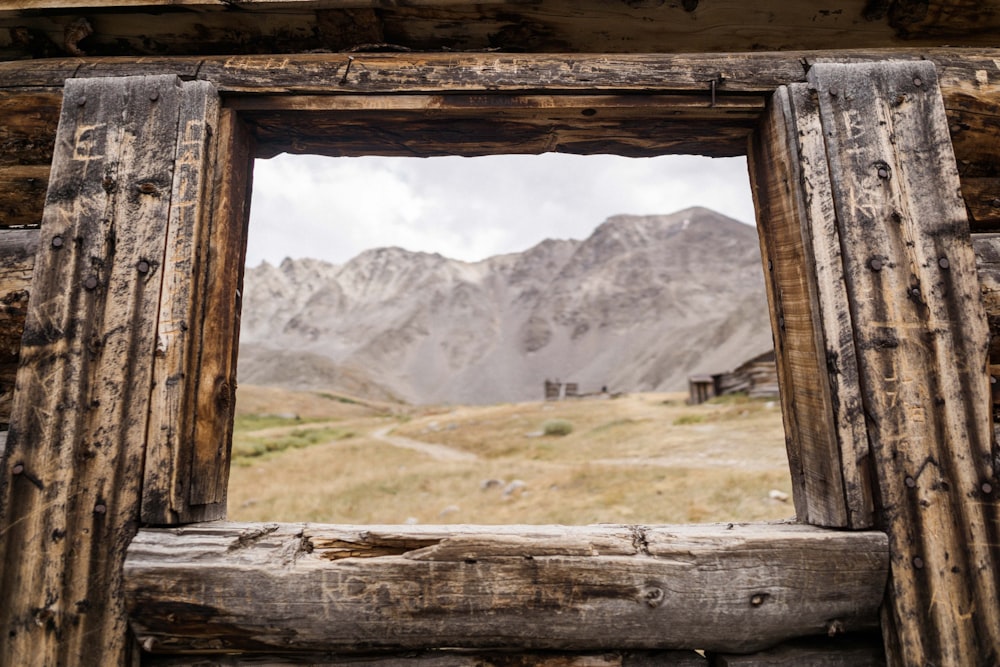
<point>171,469</point>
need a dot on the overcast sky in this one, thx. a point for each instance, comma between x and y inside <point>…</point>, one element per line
<point>470,208</point>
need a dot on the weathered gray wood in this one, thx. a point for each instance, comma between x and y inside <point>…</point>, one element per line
<point>71,472</point>
<point>38,28</point>
<point>17,260</point>
<point>268,588</point>
<point>221,300</point>
<point>446,659</point>
<point>839,652</point>
<point>922,340</point>
<point>969,81</point>
<point>191,278</point>
<point>821,403</point>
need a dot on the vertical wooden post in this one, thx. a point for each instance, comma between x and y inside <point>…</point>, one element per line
<point>71,474</point>
<point>878,180</point>
<point>814,345</point>
<point>190,431</point>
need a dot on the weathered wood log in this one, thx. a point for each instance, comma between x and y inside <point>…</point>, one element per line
<point>446,659</point>
<point>17,260</point>
<point>839,652</point>
<point>921,338</point>
<point>273,588</point>
<point>814,341</point>
<point>496,115</point>
<point>71,472</point>
<point>45,28</point>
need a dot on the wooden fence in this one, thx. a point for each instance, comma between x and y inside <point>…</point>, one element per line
<point>867,170</point>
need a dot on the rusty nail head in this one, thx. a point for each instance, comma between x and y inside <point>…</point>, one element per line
<point>589,112</point>
<point>143,266</point>
<point>770,265</point>
<point>875,264</point>
<point>147,189</point>
<point>986,487</point>
<point>883,172</point>
<point>100,509</point>
<point>90,283</point>
<point>154,95</point>
<point>996,203</point>
<point>18,469</point>
<point>944,263</point>
<point>833,92</point>
<point>918,562</point>
<point>910,482</point>
<point>80,101</point>
<point>917,81</point>
<point>57,241</point>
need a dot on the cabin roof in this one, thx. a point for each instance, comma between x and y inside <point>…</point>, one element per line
<point>56,28</point>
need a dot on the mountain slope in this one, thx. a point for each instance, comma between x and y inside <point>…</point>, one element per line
<point>641,304</point>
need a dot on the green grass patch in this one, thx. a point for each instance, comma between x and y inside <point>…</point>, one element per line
<point>250,446</point>
<point>558,427</point>
<point>689,419</point>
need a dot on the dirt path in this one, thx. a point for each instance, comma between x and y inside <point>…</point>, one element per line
<point>437,452</point>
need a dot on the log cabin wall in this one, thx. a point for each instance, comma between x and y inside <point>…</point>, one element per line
<point>510,77</point>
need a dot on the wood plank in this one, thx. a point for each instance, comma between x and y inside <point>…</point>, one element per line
<point>821,403</point>
<point>273,587</point>
<point>262,26</point>
<point>169,466</point>
<point>446,659</point>
<point>17,260</point>
<point>969,79</point>
<point>71,472</point>
<point>825,652</point>
<point>922,344</point>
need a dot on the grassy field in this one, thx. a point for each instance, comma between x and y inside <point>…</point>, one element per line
<point>642,458</point>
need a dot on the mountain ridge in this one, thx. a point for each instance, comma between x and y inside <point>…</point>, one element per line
<point>640,304</point>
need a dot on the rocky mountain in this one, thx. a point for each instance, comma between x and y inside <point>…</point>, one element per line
<point>641,304</point>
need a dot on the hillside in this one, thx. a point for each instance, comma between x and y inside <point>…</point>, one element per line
<point>641,304</point>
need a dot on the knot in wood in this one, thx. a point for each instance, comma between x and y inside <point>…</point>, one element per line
<point>757,599</point>
<point>653,596</point>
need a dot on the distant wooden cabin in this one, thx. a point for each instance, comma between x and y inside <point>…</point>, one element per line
<point>757,377</point>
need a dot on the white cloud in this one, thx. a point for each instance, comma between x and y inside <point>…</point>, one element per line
<point>471,208</point>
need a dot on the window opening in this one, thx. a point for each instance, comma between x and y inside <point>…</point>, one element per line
<point>404,319</point>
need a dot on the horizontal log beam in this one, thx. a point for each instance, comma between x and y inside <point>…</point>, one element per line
<point>281,587</point>
<point>451,659</point>
<point>474,104</point>
<point>38,28</point>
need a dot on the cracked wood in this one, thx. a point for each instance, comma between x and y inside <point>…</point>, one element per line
<point>281,587</point>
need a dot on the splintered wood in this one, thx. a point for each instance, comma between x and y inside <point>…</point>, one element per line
<point>72,469</point>
<point>264,588</point>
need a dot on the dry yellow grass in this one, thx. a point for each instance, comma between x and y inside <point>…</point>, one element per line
<point>644,458</point>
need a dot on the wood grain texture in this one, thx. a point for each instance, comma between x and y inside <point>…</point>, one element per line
<point>444,659</point>
<point>170,468</point>
<point>71,472</point>
<point>824,652</point>
<point>267,588</point>
<point>38,28</point>
<point>17,261</point>
<point>922,342</point>
<point>687,121</point>
<point>22,195</point>
<point>821,403</point>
